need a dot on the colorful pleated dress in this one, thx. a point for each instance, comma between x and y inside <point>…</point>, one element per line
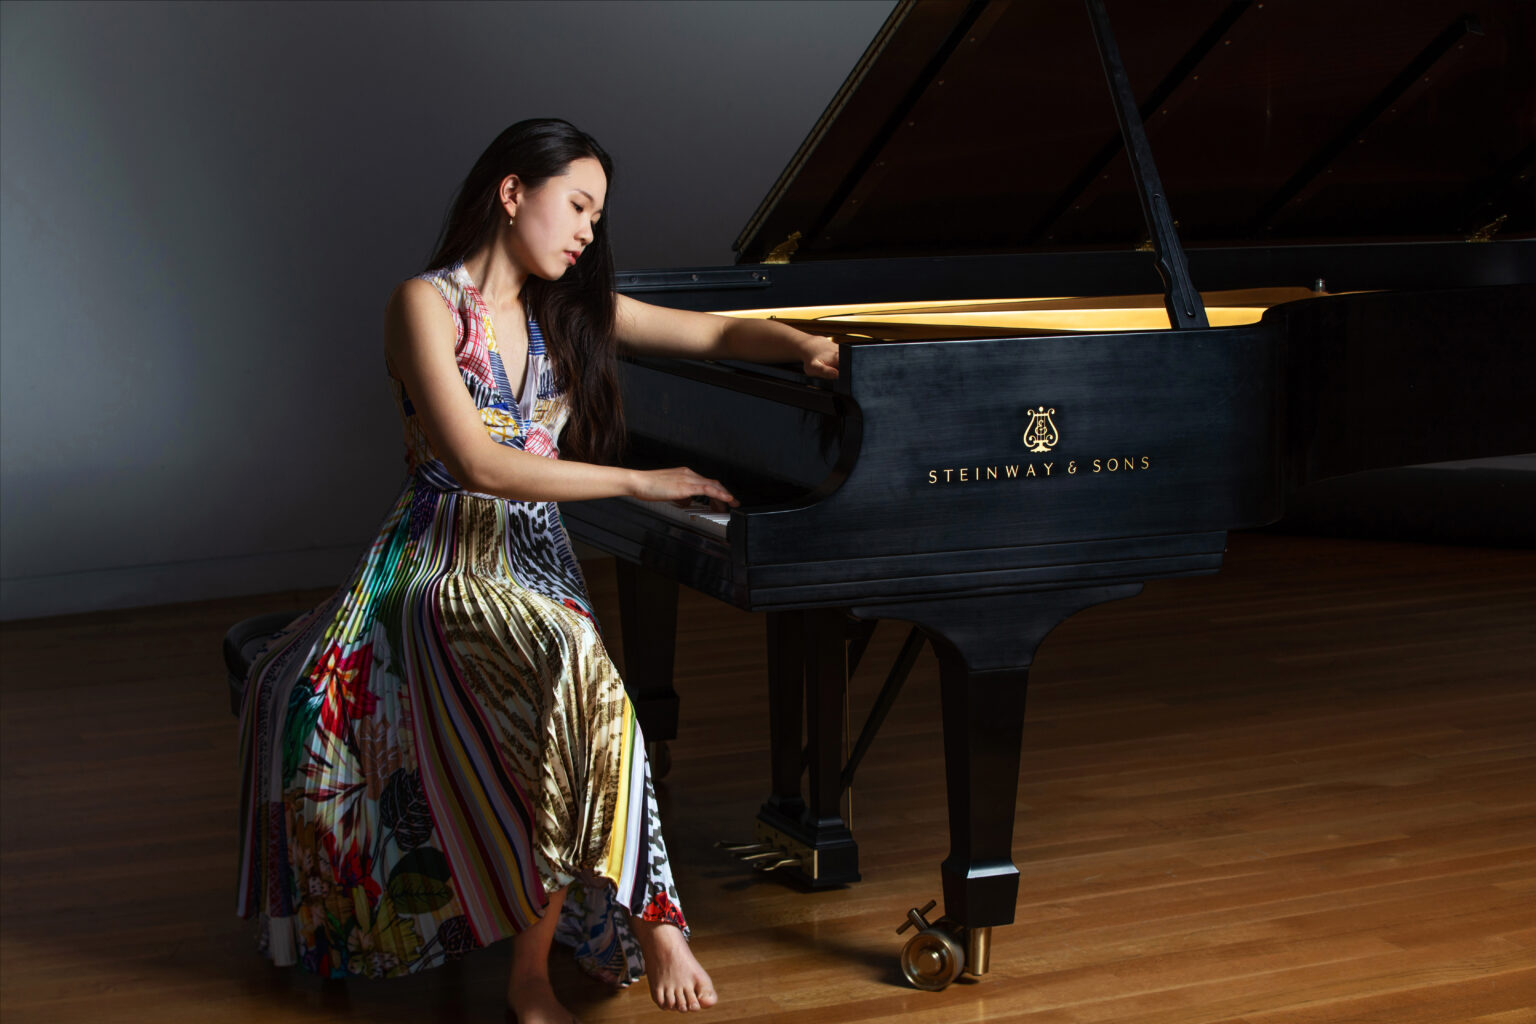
<point>444,740</point>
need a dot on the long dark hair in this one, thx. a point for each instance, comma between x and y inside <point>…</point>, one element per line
<point>576,312</point>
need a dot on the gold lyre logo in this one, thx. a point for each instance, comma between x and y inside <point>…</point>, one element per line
<point>1041,435</point>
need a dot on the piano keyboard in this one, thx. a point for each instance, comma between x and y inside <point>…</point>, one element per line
<point>699,520</point>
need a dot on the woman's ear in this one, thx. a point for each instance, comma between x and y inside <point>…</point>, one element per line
<point>510,193</point>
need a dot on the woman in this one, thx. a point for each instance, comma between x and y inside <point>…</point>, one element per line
<point>442,754</point>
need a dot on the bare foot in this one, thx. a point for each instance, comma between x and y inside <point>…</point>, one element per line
<point>533,1001</point>
<point>676,979</point>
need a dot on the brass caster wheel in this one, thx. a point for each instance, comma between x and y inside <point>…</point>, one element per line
<point>933,957</point>
<point>660,757</point>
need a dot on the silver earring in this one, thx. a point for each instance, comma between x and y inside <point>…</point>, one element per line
<point>511,222</point>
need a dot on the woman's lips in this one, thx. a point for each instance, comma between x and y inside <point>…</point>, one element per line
<point>570,258</point>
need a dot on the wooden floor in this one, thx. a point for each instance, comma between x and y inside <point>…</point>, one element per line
<point>1302,790</point>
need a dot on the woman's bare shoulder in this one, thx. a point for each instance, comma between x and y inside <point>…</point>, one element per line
<point>417,306</point>
<point>413,294</point>
<point>417,320</point>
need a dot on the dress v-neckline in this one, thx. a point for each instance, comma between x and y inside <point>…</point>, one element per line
<point>484,309</point>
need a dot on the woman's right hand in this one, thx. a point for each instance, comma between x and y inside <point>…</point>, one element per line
<point>679,484</point>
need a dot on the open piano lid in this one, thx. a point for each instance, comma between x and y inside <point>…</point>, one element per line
<point>986,126</point>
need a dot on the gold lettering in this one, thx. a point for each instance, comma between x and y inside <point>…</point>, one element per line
<point>1030,470</point>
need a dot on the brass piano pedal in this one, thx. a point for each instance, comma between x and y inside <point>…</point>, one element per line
<point>772,851</point>
<point>754,854</point>
<point>753,858</point>
<point>935,956</point>
<point>762,856</point>
<point>735,848</point>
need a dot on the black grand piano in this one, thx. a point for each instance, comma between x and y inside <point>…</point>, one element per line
<point>1066,371</point>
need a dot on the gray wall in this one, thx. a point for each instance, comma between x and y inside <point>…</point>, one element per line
<point>205,206</point>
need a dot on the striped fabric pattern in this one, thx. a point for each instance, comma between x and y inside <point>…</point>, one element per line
<point>445,740</point>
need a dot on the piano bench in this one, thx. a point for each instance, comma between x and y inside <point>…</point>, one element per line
<point>243,642</point>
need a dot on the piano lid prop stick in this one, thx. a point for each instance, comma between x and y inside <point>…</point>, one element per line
<point>1184,306</point>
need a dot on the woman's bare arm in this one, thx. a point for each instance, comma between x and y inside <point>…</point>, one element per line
<point>418,345</point>
<point>658,330</point>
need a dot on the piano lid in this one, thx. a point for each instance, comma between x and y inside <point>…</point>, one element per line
<point>987,126</point>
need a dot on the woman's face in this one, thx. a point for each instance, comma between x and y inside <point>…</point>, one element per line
<point>554,221</point>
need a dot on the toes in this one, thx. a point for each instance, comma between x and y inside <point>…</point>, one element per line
<point>692,995</point>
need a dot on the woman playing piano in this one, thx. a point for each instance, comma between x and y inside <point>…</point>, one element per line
<point>442,755</point>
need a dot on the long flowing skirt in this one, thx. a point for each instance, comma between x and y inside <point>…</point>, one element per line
<point>440,745</point>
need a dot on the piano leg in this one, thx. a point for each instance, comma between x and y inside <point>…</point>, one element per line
<point>826,692</point>
<point>786,708</point>
<point>985,646</point>
<point>983,733</point>
<point>648,611</point>
<point>808,676</point>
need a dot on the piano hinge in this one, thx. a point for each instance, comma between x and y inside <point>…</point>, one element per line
<point>784,250</point>
<point>1487,231</point>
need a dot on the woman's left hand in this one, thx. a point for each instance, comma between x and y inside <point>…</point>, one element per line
<point>820,356</point>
